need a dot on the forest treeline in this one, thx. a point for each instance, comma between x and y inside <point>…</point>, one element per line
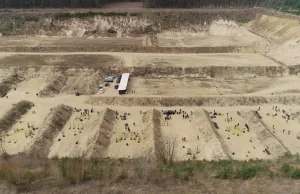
<point>202,3</point>
<point>278,4</point>
<point>59,3</point>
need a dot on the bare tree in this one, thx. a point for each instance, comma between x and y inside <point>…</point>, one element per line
<point>167,149</point>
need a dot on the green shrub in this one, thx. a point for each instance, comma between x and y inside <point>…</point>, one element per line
<point>32,18</point>
<point>187,170</point>
<point>200,166</point>
<point>133,14</point>
<point>225,172</point>
<point>176,173</point>
<point>111,31</point>
<point>286,169</point>
<point>296,174</point>
<point>247,172</point>
<point>271,174</point>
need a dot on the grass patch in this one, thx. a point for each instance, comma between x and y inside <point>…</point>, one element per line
<point>78,170</point>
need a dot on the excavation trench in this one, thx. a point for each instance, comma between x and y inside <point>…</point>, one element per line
<point>275,147</point>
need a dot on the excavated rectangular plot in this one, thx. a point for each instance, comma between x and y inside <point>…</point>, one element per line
<point>199,136</point>
<point>291,127</point>
<point>53,124</point>
<point>22,135</point>
<point>263,134</point>
<point>239,139</point>
<point>76,136</point>
<point>135,142</point>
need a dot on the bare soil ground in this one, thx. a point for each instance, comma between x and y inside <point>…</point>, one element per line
<point>78,133</point>
<point>243,67</point>
<point>135,140</point>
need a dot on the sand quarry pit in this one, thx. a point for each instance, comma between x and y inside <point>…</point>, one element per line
<point>234,86</point>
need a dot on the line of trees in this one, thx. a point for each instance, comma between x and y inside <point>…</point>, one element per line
<point>281,4</point>
<point>201,3</point>
<point>59,3</point>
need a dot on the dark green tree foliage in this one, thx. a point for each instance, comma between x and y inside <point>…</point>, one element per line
<point>58,3</point>
<point>202,3</point>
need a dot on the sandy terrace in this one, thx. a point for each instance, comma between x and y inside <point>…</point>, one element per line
<point>136,139</point>
<point>280,123</point>
<point>47,41</point>
<point>206,86</point>
<point>141,59</point>
<point>194,60</point>
<point>220,33</point>
<point>242,142</point>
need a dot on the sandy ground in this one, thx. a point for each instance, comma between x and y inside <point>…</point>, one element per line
<point>75,138</point>
<point>134,142</point>
<point>175,60</point>
<point>24,133</point>
<point>242,143</point>
<point>201,86</point>
<point>194,60</point>
<point>280,123</point>
<point>219,33</point>
<point>58,41</point>
<point>230,140</point>
<point>178,128</point>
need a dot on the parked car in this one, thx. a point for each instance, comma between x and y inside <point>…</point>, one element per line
<point>109,79</point>
<point>100,86</point>
<point>118,80</point>
<point>106,84</point>
<point>169,112</point>
<point>116,86</point>
<point>101,91</point>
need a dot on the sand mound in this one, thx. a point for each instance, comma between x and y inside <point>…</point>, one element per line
<point>7,84</point>
<point>288,53</point>
<point>194,101</point>
<point>276,29</point>
<point>104,135</point>
<point>53,124</point>
<point>55,85</point>
<point>215,147</point>
<point>155,123</point>
<point>14,114</point>
<point>270,142</point>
